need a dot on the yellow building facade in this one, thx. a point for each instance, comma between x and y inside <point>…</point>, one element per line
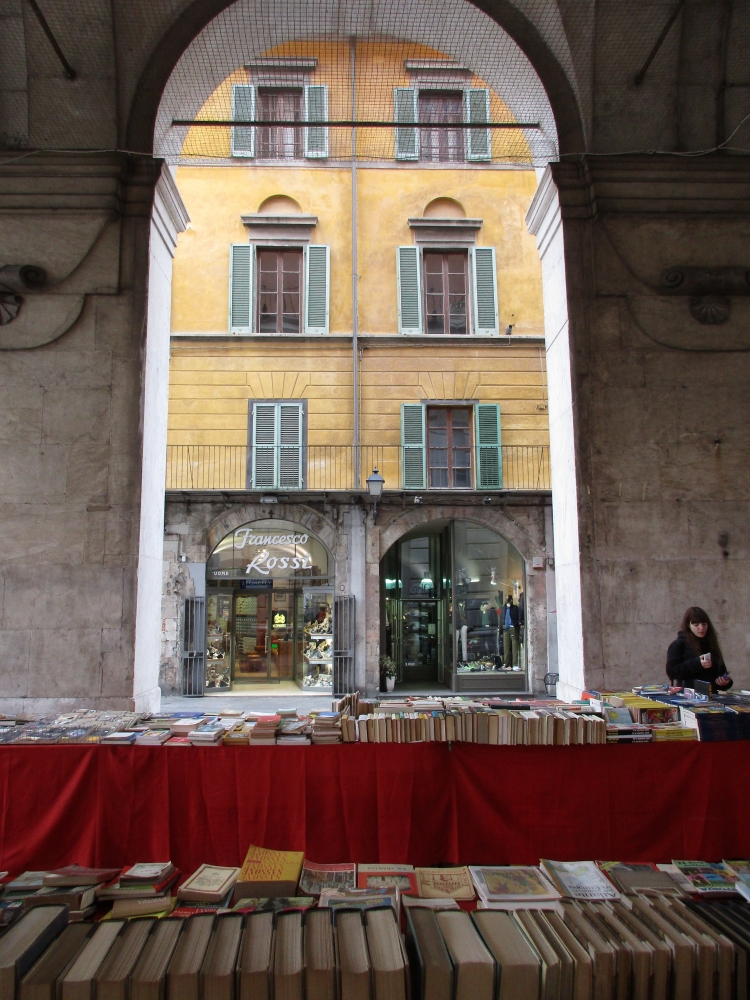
<point>335,314</point>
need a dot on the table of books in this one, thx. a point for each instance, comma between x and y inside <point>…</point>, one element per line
<point>424,803</point>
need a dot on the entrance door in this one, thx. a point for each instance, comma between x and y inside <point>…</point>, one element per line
<point>250,636</point>
<point>419,643</point>
<point>282,636</point>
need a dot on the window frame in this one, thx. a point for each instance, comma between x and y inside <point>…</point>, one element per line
<point>299,139</point>
<point>260,248</point>
<point>486,455</point>
<point>445,294</point>
<point>461,146</point>
<point>469,409</point>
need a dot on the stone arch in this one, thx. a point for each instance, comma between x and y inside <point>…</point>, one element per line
<point>444,208</point>
<point>225,523</point>
<point>139,130</point>
<point>496,519</point>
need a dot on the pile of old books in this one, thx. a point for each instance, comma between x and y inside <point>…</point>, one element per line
<point>263,732</point>
<point>326,728</point>
<point>578,930</point>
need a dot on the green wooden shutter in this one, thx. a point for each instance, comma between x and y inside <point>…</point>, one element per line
<point>243,109</point>
<point>478,144</point>
<point>264,446</point>
<point>414,452</point>
<point>405,111</point>
<point>409,290</point>
<point>485,290</point>
<point>316,110</point>
<point>241,257</point>
<point>290,446</point>
<point>317,285</point>
<point>489,456</point>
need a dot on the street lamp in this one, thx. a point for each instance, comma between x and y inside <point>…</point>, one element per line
<point>375,488</point>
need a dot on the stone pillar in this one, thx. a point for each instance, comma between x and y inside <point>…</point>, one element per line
<point>169,218</point>
<point>71,447</point>
<point>544,222</point>
<point>659,345</point>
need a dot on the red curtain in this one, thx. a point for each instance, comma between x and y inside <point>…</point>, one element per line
<point>422,803</point>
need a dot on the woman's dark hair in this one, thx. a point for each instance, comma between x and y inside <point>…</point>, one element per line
<point>696,616</point>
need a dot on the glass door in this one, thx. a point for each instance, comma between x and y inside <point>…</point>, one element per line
<point>250,635</point>
<point>281,646</point>
<point>420,640</point>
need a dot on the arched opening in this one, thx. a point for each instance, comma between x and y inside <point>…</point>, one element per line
<point>341,116</point>
<point>454,609</point>
<point>269,608</point>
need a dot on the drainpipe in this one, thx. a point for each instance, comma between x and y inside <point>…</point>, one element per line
<point>355,290</point>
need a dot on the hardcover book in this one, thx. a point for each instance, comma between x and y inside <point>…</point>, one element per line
<point>636,876</point>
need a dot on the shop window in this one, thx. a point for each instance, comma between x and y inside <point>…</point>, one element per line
<point>278,289</point>
<point>433,290</point>
<point>445,291</point>
<point>437,448</point>
<point>306,104</point>
<point>427,106</point>
<point>276,453</point>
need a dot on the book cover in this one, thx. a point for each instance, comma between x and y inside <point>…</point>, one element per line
<point>740,868</point>
<point>75,875</point>
<point>361,899</point>
<point>210,883</point>
<point>579,879</point>
<point>512,883</point>
<point>442,883</point>
<point>635,876</point>
<point>264,865</point>
<point>400,877</point>
<point>151,873</point>
<point>316,878</point>
<point>707,879</point>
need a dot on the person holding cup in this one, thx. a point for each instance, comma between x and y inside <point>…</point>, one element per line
<point>695,654</point>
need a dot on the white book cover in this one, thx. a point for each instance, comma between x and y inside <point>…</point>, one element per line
<point>580,879</point>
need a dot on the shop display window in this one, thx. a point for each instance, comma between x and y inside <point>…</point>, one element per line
<point>218,640</point>
<point>317,638</point>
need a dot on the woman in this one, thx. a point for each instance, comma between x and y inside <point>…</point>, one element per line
<point>695,654</point>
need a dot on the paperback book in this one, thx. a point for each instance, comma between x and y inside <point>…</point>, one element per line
<point>442,883</point>
<point>708,879</point>
<point>579,880</point>
<point>316,878</point>
<point>512,884</point>
<point>400,877</point>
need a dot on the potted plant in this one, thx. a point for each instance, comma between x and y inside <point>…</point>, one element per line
<point>388,672</point>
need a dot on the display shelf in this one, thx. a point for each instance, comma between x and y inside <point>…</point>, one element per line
<point>319,635</point>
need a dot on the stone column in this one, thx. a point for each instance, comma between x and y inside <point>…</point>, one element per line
<point>656,257</point>
<point>72,360</point>
<point>544,222</point>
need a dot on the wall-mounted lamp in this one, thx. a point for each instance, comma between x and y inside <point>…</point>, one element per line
<point>375,488</point>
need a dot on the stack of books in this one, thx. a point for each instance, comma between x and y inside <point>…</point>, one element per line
<point>263,732</point>
<point>73,886</point>
<point>326,727</point>
<point>152,737</point>
<point>634,733</point>
<point>141,889</point>
<point>294,732</point>
<point>210,732</point>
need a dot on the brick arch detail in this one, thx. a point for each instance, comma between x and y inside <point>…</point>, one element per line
<point>227,522</point>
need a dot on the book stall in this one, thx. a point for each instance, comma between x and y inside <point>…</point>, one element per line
<point>281,926</point>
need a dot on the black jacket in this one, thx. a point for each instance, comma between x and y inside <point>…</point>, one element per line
<point>683,666</point>
<point>513,615</point>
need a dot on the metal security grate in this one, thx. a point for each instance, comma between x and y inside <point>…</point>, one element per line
<point>344,632</point>
<point>194,648</point>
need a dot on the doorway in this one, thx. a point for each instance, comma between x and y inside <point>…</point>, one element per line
<point>264,635</point>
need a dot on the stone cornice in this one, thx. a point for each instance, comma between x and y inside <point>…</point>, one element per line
<point>713,184</point>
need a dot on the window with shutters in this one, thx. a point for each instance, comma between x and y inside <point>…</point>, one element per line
<point>279,291</point>
<point>443,107</point>
<point>445,292</point>
<point>277,445</point>
<point>280,105</point>
<point>451,447</point>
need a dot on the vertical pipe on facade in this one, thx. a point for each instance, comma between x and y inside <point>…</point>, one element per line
<point>355,288</point>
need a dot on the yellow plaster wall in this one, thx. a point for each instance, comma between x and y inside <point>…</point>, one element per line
<point>216,198</point>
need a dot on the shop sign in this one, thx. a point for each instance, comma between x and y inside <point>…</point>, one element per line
<point>268,550</point>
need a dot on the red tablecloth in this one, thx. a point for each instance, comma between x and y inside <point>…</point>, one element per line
<point>423,803</point>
